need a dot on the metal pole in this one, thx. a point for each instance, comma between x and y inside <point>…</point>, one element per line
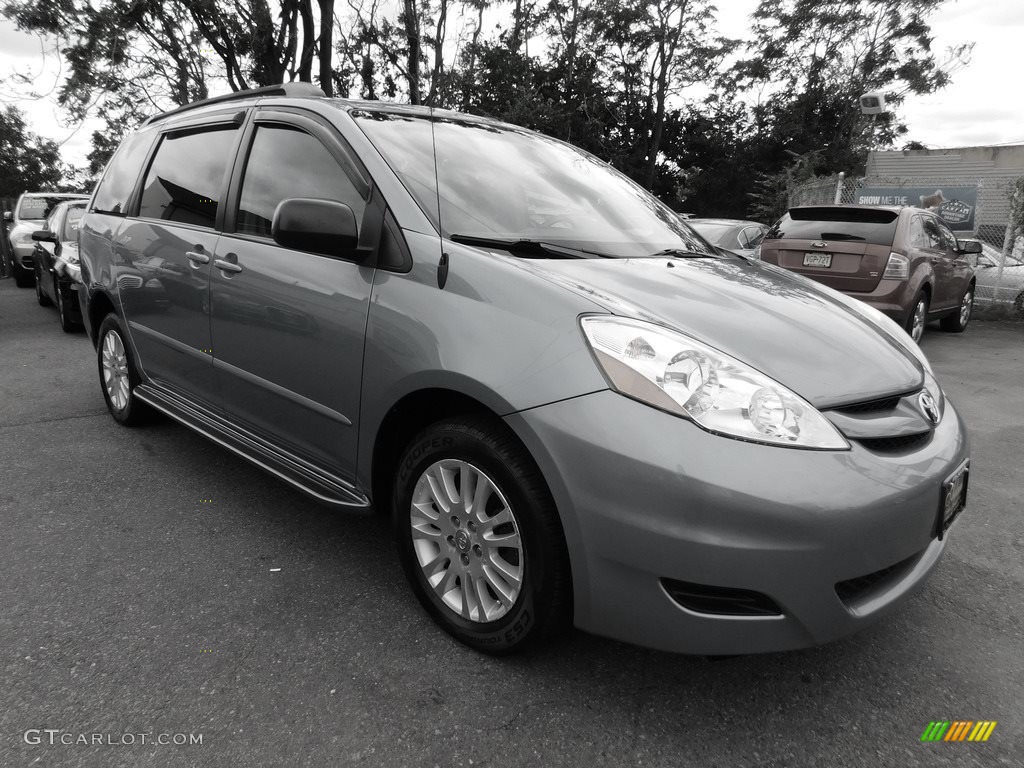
<point>839,188</point>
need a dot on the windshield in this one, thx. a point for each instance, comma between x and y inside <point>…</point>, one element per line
<point>72,221</point>
<point>994,255</point>
<point>37,208</point>
<point>499,182</point>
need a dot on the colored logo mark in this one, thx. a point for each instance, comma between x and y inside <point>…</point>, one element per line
<point>958,730</point>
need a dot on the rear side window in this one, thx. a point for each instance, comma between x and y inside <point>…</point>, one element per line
<point>121,174</point>
<point>285,162</point>
<point>926,234</point>
<point>186,178</point>
<point>865,225</point>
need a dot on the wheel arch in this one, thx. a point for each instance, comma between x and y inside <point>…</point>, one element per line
<point>99,306</point>
<point>410,414</point>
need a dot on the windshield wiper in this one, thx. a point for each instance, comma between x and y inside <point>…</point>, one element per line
<point>682,253</point>
<point>526,246</point>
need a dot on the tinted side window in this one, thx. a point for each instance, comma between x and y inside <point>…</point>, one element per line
<point>932,235</point>
<point>121,174</point>
<point>948,238</point>
<point>286,162</point>
<point>186,178</point>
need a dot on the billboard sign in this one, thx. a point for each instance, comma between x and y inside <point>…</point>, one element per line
<point>954,205</point>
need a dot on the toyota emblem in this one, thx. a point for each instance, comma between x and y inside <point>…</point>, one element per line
<point>929,407</point>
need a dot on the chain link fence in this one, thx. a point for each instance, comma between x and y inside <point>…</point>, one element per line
<point>1000,267</point>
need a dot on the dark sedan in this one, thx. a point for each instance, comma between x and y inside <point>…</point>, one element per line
<point>55,262</point>
<point>734,235</point>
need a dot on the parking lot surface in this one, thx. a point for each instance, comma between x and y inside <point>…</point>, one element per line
<point>154,583</point>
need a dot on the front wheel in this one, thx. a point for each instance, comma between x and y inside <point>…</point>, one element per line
<point>479,537</point>
<point>42,298</point>
<point>119,375</point>
<point>957,322</point>
<point>66,323</point>
<point>918,317</point>
<point>23,278</point>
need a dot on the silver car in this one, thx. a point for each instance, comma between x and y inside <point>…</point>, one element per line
<point>1005,288</point>
<point>29,215</point>
<point>572,410</point>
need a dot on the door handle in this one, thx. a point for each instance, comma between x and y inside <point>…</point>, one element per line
<point>227,266</point>
<point>197,257</point>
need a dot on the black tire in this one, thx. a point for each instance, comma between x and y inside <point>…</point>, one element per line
<point>1018,307</point>
<point>958,321</point>
<point>919,300</point>
<point>42,298</point>
<point>543,607</point>
<point>134,412</point>
<point>23,278</point>
<point>66,323</point>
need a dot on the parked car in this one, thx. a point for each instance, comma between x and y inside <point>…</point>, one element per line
<point>734,235</point>
<point>1006,288</point>
<point>904,262</point>
<point>29,215</point>
<point>55,263</point>
<point>572,409</point>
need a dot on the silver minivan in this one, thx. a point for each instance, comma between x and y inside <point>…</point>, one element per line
<point>573,409</point>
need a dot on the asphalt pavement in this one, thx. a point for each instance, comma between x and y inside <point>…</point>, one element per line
<point>154,585</point>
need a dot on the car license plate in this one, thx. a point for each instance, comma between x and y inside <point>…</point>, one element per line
<point>817,259</point>
<point>954,497</point>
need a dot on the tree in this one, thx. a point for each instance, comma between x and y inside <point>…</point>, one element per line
<point>810,60</point>
<point>655,50</point>
<point>27,162</point>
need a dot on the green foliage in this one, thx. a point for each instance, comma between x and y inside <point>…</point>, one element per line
<point>625,79</point>
<point>27,162</point>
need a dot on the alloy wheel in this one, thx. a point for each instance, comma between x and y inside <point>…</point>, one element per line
<point>918,322</point>
<point>965,307</point>
<point>466,540</point>
<point>115,370</point>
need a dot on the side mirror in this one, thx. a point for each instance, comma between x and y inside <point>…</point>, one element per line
<point>44,236</point>
<point>968,246</point>
<point>8,216</point>
<point>319,226</point>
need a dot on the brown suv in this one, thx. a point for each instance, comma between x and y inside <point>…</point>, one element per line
<point>904,262</point>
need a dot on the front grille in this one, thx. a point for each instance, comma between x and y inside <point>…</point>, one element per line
<point>720,601</point>
<point>871,406</point>
<point>857,589</point>
<point>900,444</point>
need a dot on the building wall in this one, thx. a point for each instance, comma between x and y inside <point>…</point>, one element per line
<point>993,169</point>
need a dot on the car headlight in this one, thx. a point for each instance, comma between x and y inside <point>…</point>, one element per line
<point>931,386</point>
<point>681,375</point>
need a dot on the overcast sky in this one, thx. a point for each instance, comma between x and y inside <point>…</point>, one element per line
<point>983,105</point>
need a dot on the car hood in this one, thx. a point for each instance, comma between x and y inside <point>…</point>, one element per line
<point>826,347</point>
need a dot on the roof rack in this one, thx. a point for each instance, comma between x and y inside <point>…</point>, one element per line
<point>282,89</point>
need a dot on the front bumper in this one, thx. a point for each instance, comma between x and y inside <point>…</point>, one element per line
<point>23,253</point>
<point>646,496</point>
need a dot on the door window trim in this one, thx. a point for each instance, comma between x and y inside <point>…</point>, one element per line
<point>300,120</point>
